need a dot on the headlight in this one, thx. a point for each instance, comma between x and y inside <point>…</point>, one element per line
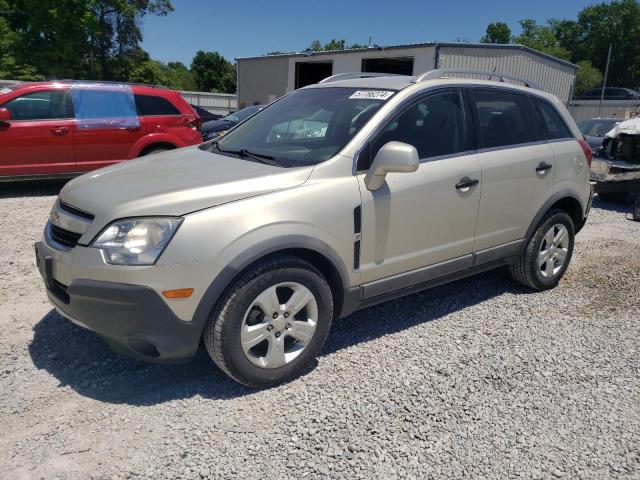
<point>136,241</point>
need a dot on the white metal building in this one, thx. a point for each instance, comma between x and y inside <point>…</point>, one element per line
<point>263,79</point>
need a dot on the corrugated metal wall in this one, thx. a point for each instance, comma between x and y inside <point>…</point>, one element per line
<point>551,76</point>
<point>585,109</point>
<point>220,103</point>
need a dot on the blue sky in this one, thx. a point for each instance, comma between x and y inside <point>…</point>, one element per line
<point>241,28</point>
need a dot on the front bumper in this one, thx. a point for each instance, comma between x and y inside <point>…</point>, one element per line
<point>133,319</point>
<point>615,175</point>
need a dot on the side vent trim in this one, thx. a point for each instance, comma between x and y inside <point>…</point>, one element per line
<point>357,231</point>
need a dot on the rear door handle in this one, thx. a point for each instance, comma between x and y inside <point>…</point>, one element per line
<point>465,184</point>
<point>543,168</point>
<point>60,130</point>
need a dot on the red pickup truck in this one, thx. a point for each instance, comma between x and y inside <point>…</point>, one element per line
<point>59,129</point>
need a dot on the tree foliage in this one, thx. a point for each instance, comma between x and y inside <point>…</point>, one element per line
<point>333,44</point>
<point>213,73</point>
<point>498,32</point>
<point>585,41</point>
<point>587,77</point>
<point>541,38</point>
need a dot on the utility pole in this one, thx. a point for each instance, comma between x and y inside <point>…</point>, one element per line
<point>604,83</point>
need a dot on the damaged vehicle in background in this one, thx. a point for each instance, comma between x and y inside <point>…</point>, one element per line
<point>215,128</point>
<point>616,169</point>
<point>595,131</point>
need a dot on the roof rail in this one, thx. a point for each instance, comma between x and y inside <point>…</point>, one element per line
<point>350,75</point>
<point>442,72</point>
<point>113,82</point>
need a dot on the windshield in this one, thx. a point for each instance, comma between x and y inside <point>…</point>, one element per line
<point>597,127</point>
<point>306,127</point>
<point>241,114</point>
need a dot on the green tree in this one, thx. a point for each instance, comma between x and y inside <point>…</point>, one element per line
<point>95,39</point>
<point>541,38</point>
<point>587,77</point>
<point>333,44</point>
<point>498,32</point>
<point>12,65</point>
<point>616,23</point>
<point>115,35</point>
<point>213,73</point>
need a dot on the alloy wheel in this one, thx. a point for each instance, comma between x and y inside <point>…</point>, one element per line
<point>279,324</point>
<point>553,251</point>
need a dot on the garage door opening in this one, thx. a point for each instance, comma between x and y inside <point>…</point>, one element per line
<point>308,73</point>
<point>397,65</point>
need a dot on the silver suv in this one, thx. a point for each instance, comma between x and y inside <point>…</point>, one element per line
<point>338,196</point>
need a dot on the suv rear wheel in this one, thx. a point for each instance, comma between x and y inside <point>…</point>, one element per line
<point>548,253</point>
<point>271,323</point>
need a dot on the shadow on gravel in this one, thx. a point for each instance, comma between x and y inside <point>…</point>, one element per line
<point>615,207</point>
<point>36,188</point>
<point>422,307</point>
<point>80,359</point>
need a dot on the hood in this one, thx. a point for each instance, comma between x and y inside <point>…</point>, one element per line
<point>175,183</point>
<point>630,127</point>
<point>217,126</point>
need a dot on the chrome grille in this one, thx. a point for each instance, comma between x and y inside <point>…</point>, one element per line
<point>64,237</point>
<point>75,211</point>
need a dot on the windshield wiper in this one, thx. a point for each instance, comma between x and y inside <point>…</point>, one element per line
<point>243,152</point>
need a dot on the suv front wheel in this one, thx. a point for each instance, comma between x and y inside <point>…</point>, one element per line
<point>273,321</point>
<point>548,253</point>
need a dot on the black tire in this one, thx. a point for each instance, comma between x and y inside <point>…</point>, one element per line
<point>526,270</point>
<point>614,197</point>
<point>154,150</point>
<point>222,333</point>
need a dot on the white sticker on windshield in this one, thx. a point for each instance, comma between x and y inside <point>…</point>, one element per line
<point>372,94</point>
<point>5,90</point>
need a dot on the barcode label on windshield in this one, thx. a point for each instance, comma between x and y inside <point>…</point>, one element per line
<point>372,94</point>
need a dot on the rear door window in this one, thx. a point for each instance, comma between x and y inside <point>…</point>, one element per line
<point>554,126</point>
<point>110,106</point>
<point>150,105</point>
<point>505,118</point>
<point>102,104</point>
<point>44,105</point>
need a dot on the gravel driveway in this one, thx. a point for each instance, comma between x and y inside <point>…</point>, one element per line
<point>478,379</point>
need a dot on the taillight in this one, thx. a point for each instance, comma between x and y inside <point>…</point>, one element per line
<point>587,150</point>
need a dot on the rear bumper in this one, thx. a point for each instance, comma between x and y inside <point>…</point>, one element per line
<point>133,319</point>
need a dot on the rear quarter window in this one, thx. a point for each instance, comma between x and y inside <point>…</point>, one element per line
<point>554,126</point>
<point>150,105</point>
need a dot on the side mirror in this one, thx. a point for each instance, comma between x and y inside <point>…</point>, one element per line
<point>5,115</point>
<point>392,157</point>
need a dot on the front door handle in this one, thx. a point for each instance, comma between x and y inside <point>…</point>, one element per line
<point>60,130</point>
<point>465,184</point>
<point>543,168</point>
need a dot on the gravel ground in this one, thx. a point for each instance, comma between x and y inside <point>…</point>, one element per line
<point>479,379</point>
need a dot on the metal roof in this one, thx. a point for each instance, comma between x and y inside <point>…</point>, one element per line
<point>503,46</point>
